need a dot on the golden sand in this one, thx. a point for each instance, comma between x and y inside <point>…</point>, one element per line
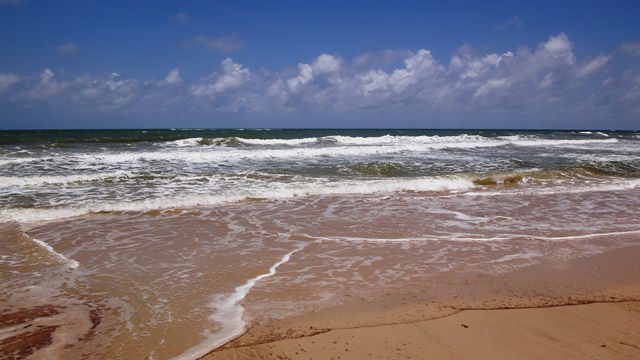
<point>582,309</point>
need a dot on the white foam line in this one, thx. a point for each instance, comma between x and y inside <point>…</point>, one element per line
<point>72,264</point>
<point>547,238</point>
<point>469,239</point>
<point>617,186</point>
<point>411,239</point>
<point>587,236</point>
<point>11,181</point>
<point>372,240</point>
<point>458,215</point>
<point>228,312</point>
<point>300,141</point>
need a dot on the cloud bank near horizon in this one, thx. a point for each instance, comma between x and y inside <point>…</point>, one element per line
<point>548,81</point>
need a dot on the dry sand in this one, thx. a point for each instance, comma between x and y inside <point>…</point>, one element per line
<point>594,331</point>
<point>587,308</point>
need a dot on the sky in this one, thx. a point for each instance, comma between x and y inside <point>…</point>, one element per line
<point>309,64</point>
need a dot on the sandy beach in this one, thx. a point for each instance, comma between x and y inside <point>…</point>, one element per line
<point>587,308</point>
<point>594,331</point>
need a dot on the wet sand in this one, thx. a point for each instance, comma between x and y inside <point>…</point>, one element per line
<point>585,308</point>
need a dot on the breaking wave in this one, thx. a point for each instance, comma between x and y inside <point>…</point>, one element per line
<point>433,141</point>
<point>267,190</point>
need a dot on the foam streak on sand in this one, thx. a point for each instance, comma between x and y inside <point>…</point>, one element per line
<point>228,312</point>
<point>588,236</point>
<point>72,264</point>
<point>470,239</point>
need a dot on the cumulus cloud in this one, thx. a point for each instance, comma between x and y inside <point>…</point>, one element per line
<point>544,79</point>
<point>67,50</point>
<point>173,77</point>
<point>558,47</point>
<point>418,66</point>
<point>232,77</point>
<point>324,64</point>
<point>223,44</point>
<point>47,86</point>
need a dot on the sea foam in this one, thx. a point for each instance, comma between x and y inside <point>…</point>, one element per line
<point>71,264</point>
<point>185,150</point>
<point>272,190</point>
<point>228,312</point>
<point>12,181</point>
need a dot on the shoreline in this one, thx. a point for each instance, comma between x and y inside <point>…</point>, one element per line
<point>590,298</point>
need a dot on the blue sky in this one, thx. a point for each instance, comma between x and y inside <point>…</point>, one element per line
<point>87,64</point>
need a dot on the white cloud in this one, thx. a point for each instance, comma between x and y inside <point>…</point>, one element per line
<point>544,78</point>
<point>491,85</point>
<point>232,77</point>
<point>323,64</point>
<point>559,47</point>
<point>373,82</point>
<point>418,66</point>
<point>46,87</point>
<point>469,66</point>
<point>326,63</point>
<point>173,77</point>
<point>305,76</point>
<point>114,93</point>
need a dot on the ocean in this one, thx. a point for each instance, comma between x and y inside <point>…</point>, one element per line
<point>169,243</point>
<point>46,175</point>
